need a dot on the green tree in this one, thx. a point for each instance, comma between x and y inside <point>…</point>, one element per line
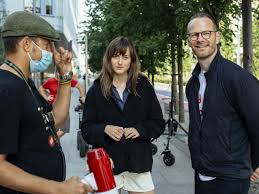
<point>256,46</point>
<point>247,35</point>
<point>158,30</point>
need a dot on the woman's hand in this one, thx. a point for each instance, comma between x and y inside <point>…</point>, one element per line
<point>114,132</point>
<point>255,175</point>
<point>131,133</point>
<point>82,99</point>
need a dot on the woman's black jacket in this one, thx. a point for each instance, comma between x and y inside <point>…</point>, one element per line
<point>142,112</point>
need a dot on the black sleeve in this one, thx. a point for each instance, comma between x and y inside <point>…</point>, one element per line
<point>92,129</point>
<point>247,94</point>
<point>187,88</point>
<point>154,126</point>
<point>10,114</point>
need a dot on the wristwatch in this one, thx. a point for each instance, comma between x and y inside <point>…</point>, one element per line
<point>66,76</point>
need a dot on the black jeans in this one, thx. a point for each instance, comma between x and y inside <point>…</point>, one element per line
<point>220,186</point>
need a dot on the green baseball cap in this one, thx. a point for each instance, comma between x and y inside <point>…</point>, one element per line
<point>22,23</point>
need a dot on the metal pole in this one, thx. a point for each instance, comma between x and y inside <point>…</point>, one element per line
<point>34,6</point>
<point>86,63</point>
<point>35,76</point>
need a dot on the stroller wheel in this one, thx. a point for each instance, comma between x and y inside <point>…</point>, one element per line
<point>169,159</point>
<point>154,149</point>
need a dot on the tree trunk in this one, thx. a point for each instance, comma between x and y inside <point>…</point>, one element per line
<point>174,99</point>
<point>152,67</point>
<point>153,79</point>
<point>247,35</point>
<point>180,79</point>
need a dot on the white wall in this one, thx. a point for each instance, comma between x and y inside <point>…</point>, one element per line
<point>57,18</point>
<point>70,22</point>
<point>13,5</point>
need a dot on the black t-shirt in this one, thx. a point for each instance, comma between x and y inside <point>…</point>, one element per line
<point>23,135</point>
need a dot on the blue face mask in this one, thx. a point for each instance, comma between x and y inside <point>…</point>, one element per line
<point>43,63</point>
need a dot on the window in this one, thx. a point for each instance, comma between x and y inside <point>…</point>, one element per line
<point>28,6</point>
<point>43,7</point>
<point>49,7</point>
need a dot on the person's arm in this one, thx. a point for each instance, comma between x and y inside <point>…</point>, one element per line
<point>16,179</point>
<point>255,175</point>
<point>81,92</point>
<point>42,92</point>
<point>61,105</point>
<point>246,92</point>
<point>154,126</point>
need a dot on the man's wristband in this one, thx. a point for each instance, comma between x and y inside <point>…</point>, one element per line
<point>66,77</point>
<point>67,82</point>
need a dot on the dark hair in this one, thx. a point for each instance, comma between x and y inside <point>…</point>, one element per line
<point>202,15</point>
<point>119,45</point>
<point>10,43</point>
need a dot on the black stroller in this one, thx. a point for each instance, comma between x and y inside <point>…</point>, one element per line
<point>82,146</point>
<point>172,126</point>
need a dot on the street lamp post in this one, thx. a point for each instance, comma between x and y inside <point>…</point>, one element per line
<point>86,63</point>
<point>35,76</point>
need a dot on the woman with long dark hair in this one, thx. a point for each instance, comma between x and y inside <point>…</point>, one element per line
<point>122,114</point>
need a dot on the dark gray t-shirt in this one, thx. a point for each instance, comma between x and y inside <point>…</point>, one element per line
<point>23,135</point>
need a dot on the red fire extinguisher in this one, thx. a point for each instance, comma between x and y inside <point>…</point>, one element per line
<point>100,165</point>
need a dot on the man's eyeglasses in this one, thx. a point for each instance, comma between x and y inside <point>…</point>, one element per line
<point>195,36</point>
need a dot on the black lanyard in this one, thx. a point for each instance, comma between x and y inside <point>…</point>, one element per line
<point>40,109</point>
<point>19,71</point>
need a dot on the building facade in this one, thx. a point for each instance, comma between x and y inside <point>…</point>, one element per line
<point>61,14</point>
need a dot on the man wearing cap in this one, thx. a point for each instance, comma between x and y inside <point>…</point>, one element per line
<point>31,159</point>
